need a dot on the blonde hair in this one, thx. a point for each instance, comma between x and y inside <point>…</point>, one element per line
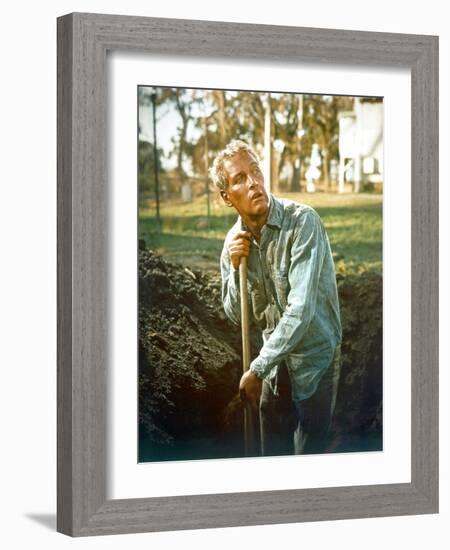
<point>217,171</point>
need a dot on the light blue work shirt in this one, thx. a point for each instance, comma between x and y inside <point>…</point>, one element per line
<point>292,295</point>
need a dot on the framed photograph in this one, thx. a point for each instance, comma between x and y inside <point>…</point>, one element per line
<point>203,211</point>
<point>189,338</point>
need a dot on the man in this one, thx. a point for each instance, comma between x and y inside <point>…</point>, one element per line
<point>293,299</point>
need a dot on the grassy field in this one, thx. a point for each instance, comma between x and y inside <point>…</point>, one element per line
<point>353,223</point>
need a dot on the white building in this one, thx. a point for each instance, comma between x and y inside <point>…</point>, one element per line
<point>361,145</point>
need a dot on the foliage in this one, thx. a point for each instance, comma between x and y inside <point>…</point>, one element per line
<point>146,164</point>
<point>209,119</point>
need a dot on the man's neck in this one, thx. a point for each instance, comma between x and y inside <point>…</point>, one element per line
<point>255,225</point>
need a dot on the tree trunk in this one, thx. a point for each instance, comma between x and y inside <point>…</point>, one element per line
<point>295,182</point>
<point>326,170</point>
<point>221,118</point>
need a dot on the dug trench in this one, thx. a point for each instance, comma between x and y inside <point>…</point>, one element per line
<point>190,365</point>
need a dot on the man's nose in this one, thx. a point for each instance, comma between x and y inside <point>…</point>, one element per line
<point>252,182</point>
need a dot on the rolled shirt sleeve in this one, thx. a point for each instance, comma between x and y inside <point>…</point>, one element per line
<point>230,287</point>
<point>307,255</point>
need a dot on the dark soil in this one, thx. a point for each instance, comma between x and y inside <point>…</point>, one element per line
<point>190,366</point>
<point>358,416</point>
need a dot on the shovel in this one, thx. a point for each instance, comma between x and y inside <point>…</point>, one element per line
<point>249,419</point>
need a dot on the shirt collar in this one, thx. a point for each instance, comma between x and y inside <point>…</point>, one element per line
<point>274,217</point>
<point>275,212</point>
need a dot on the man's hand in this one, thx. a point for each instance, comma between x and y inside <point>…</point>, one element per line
<point>238,247</point>
<point>250,387</point>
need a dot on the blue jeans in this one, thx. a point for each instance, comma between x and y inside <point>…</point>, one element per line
<point>298,427</point>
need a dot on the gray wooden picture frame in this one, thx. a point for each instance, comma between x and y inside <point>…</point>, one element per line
<point>83,42</point>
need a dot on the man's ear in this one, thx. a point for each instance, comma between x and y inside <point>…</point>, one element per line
<point>225,198</point>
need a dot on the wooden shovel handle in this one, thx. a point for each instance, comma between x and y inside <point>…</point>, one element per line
<point>244,314</point>
<point>249,420</point>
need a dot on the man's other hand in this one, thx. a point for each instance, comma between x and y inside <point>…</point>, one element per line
<point>250,387</point>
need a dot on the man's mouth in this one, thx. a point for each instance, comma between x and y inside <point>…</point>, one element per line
<point>256,196</point>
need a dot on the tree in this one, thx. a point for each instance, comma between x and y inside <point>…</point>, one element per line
<point>146,164</point>
<point>287,130</point>
<point>321,125</point>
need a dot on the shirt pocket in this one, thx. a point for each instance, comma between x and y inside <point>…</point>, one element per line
<point>282,288</point>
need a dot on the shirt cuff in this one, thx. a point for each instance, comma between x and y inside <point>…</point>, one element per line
<point>260,367</point>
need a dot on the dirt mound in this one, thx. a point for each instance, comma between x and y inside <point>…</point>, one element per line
<point>359,402</point>
<point>190,366</point>
<point>189,357</point>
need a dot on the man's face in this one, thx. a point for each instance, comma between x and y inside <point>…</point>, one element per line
<point>245,189</point>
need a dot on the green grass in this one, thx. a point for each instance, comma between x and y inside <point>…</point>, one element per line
<point>353,223</point>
